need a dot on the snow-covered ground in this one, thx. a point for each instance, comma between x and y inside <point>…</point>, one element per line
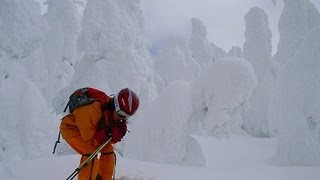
<point>238,158</point>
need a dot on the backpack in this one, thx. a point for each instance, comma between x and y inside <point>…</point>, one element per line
<point>85,96</point>
<point>82,97</point>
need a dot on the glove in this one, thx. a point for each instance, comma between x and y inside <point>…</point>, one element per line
<point>100,136</point>
<point>118,131</point>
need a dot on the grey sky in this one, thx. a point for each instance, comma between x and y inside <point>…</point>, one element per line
<point>224,19</point>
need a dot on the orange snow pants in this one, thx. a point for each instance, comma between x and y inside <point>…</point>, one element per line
<point>97,169</point>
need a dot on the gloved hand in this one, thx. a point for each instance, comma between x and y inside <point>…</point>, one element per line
<point>118,131</point>
<point>100,136</point>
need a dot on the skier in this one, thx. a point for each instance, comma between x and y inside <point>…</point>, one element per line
<point>89,126</point>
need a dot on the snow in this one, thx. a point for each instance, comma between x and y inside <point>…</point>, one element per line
<point>294,114</point>
<point>164,129</point>
<point>175,62</point>
<point>301,140</point>
<point>220,96</point>
<point>199,44</point>
<point>297,19</point>
<point>257,50</point>
<point>111,39</point>
<point>239,157</point>
<point>217,52</point>
<point>64,23</point>
<point>21,35</point>
<point>195,98</point>
<point>235,51</point>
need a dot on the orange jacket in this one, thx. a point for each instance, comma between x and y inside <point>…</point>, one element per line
<point>83,121</point>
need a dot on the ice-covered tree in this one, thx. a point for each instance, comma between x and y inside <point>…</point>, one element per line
<point>220,96</point>
<point>257,50</point>
<point>235,51</point>
<point>295,108</point>
<point>297,19</point>
<point>217,52</point>
<point>200,47</point>
<point>60,45</point>
<point>161,134</point>
<point>25,117</point>
<point>21,36</point>
<point>114,50</point>
<point>293,112</point>
<point>174,61</point>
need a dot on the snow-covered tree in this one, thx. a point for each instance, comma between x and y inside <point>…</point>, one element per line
<point>25,116</point>
<point>297,19</point>
<point>293,114</point>
<point>257,50</point>
<point>114,50</point>
<point>220,96</point>
<point>174,61</point>
<point>200,47</point>
<point>60,46</point>
<point>161,135</point>
<point>21,37</point>
<point>217,52</point>
<point>235,51</point>
<point>295,109</point>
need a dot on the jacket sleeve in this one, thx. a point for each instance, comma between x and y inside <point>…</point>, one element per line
<point>87,119</point>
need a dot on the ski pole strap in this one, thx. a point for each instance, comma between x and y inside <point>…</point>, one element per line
<point>68,103</point>
<point>57,142</point>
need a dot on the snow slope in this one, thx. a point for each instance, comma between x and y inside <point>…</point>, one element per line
<point>239,157</point>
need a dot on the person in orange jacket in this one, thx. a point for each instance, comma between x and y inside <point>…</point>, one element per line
<point>89,126</point>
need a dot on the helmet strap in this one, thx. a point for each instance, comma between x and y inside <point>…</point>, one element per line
<point>108,105</point>
<point>116,103</point>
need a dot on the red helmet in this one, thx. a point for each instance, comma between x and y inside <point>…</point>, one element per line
<point>126,102</point>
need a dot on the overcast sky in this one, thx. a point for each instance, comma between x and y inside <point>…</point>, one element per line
<point>224,19</point>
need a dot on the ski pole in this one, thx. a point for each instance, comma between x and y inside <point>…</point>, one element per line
<point>84,164</point>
